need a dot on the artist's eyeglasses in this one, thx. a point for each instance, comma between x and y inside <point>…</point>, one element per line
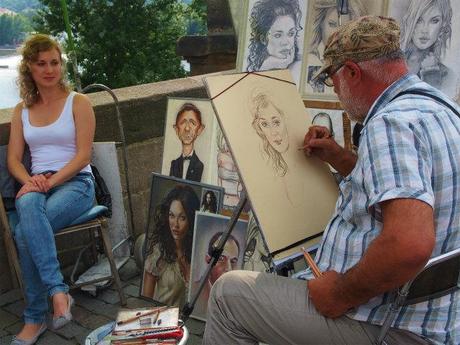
<point>327,79</point>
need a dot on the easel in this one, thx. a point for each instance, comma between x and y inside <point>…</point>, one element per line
<point>219,247</point>
<point>215,255</point>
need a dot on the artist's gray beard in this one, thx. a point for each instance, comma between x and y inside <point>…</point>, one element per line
<point>355,109</point>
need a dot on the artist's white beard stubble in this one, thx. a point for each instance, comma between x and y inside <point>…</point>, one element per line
<point>355,108</point>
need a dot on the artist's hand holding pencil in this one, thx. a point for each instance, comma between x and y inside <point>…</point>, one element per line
<point>326,295</point>
<point>318,142</point>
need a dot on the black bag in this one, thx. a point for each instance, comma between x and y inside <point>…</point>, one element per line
<point>103,196</point>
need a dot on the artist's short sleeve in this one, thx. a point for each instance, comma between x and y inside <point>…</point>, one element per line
<point>151,262</point>
<point>398,161</point>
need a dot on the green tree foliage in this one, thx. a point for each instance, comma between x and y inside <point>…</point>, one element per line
<point>12,29</point>
<point>196,18</point>
<point>121,42</point>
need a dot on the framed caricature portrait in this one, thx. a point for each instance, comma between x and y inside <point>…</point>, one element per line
<point>169,236</point>
<point>323,19</point>
<point>429,41</point>
<point>209,228</point>
<point>189,146</point>
<point>273,36</point>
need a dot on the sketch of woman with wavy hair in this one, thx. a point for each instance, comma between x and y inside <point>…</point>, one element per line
<point>325,22</point>
<point>270,125</point>
<point>426,31</point>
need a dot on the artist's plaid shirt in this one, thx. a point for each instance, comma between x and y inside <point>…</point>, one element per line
<point>409,148</point>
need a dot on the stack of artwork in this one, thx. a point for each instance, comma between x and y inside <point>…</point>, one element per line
<point>170,231</point>
<point>199,180</point>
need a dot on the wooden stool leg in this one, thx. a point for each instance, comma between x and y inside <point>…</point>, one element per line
<point>113,267</point>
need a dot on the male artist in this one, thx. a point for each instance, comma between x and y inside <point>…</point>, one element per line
<point>398,205</point>
<point>188,127</point>
<point>227,262</point>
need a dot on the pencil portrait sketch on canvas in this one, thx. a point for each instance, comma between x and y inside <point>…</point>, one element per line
<point>428,40</point>
<point>274,36</point>
<point>264,129</point>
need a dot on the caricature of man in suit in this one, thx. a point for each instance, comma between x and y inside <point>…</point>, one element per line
<point>188,127</point>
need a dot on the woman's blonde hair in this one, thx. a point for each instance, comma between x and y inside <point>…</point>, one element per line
<point>32,47</point>
<point>260,100</point>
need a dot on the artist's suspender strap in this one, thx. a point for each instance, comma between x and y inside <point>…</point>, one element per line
<point>422,93</point>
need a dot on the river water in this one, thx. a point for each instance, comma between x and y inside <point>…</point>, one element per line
<point>9,92</point>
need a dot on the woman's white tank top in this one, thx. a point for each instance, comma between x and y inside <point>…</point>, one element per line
<point>52,146</point>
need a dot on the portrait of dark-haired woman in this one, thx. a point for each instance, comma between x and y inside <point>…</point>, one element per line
<point>209,202</point>
<point>169,247</point>
<point>275,27</point>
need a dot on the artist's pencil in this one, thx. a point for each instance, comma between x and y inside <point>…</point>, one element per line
<point>316,272</point>
<point>134,318</point>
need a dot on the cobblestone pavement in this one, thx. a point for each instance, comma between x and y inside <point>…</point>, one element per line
<point>88,313</point>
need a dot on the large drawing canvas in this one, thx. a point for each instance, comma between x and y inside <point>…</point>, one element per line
<point>323,19</point>
<point>430,41</point>
<point>269,40</point>
<point>292,196</point>
<point>205,146</point>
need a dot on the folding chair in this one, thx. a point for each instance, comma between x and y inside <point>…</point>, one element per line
<point>90,221</point>
<point>439,277</point>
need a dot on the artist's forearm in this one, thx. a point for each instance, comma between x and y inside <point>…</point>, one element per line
<point>344,163</point>
<point>386,265</point>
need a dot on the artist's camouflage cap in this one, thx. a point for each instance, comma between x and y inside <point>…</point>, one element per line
<point>365,38</point>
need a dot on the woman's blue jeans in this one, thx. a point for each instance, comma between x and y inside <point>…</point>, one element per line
<point>40,216</point>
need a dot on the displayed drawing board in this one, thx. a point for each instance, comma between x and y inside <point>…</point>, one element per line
<point>291,204</point>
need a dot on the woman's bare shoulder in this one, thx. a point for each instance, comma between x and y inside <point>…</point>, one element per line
<point>82,106</point>
<point>18,110</point>
<point>81,99</point>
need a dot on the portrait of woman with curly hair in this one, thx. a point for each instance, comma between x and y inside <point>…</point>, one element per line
<point>169,247</point>
<point>276,36</point>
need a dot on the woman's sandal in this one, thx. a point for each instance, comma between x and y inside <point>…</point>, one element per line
<point>17,341</point>
<point>63,320</point>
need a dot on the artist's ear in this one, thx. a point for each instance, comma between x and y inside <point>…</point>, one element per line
<point>176,129</point>
<point>200,130</point>
<point>352,72</point>
<point>208,258</point>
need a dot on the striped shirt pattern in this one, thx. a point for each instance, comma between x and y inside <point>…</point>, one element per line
<point>409,148</point>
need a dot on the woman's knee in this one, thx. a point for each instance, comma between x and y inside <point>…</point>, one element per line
<point>31,200</point>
